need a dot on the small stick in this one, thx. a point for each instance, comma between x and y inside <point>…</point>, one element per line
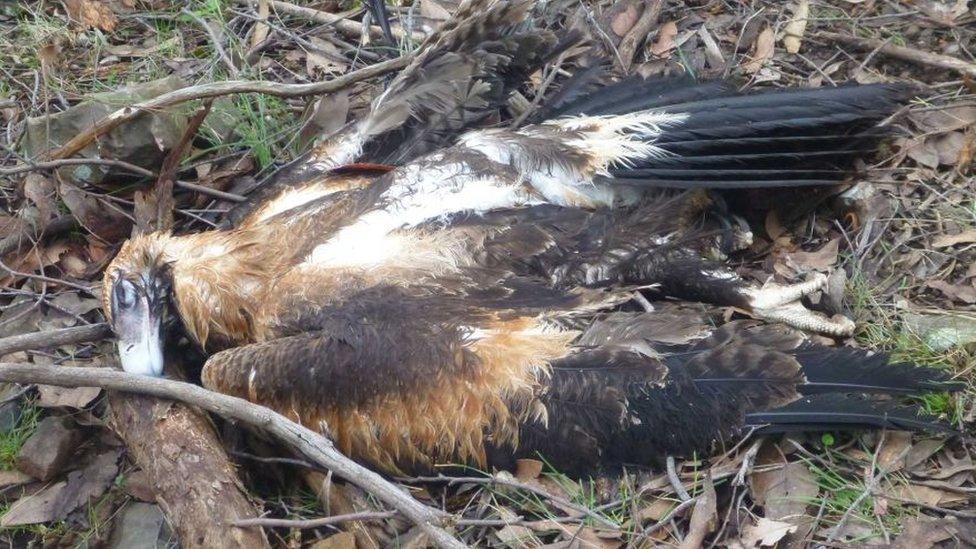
<point>675,481</point>
<point>347,27</point>
<point>317,522</point>
<point>53,164</point>
<point>579,509</point>
<point>49,339</point>
<point>216,42</point>
<point>217,89</point>
<point>913,55</point>
<point>303,440</point>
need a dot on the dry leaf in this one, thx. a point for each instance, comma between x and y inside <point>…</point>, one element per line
<point>514,535</point>
<point>925,495</point>
<point>922,151</point>
<point>944,13</point>
<point>132,50</point>
<point>820,260</point>
<point>436,11</point>
<point>92,13</point>
<point>323,59</point>
<point>946,240</point>
<point>665,39</point>
<point>527,469</point>
<point>922,533</point>
<point>893,451</point>
<point>712,52</point>
<point>762,52</point>
<point>944,120</point>
<point>785,493</point>
<point>55,502</point>
<point>595,539</point>
<point>342,540</point>
<point>625,18</point>
<point>796,27</point>
<point>657,510</point>
<point>260,27</point>
<point>948,147</point>
<point>56,397</point>
<point>42,192</point>
<point>921,452</point>
<point>964,293</point>
<point>704,517</point>
<point>766,533</point>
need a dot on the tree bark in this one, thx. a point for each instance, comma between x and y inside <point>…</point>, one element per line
<point>196,485</point>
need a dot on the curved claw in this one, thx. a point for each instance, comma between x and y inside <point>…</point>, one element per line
<point>780,303</point>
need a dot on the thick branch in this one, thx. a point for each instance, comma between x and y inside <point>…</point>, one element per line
<point>301,439</point>
<point>913,55</point>
<point>216,89</point>
<point>195,484</point>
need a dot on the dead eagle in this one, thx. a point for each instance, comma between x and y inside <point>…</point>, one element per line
<point>457,308</point>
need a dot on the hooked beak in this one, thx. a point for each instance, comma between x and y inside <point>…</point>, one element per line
<point>138,326</point>
<point>143,353</point>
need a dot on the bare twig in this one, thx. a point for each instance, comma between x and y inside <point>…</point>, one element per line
<point>49,339</point>
<point>675,481</point>
<point>217,89</point>
<point>317,522</point>
<point>639,32</point>
<point>216,42</point>
<point>314,446</point>
<point>580,510</point>
<point>54,164</point>
<point>346,26</point>
<point>913,55</point>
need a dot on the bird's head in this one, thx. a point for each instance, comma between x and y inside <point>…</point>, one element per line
<point>136,299</point>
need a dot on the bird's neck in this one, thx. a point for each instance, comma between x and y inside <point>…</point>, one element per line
<point>218,280</point>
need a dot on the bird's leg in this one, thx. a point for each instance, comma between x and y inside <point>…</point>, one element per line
<point>781,303</point>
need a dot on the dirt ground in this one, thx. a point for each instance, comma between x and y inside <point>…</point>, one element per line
<point>900,238</point>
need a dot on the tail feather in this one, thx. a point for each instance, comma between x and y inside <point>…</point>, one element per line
<point>856,370</point>
<point>834,411</point>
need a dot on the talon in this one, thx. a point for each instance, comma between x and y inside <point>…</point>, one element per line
<point>780,303</point>
<point>775,295</point>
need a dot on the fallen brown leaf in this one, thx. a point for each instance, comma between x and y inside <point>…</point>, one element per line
<point>92,13</point>
<point>922,533</point>
<point>819,260</point>
<point>925,495</point>
<point>944,120</point>
<point>785,493</point>
<point>797,26</point>
<point>527,469</point>
<point>946,240</point>
<point>964,293</point>
<point>704,517</point>
<point>56,501</point>
<point>762,52</point>
<point>665,39</point>
<point>626,16</point>
<point>897,445</point>
<point>949,147</point>
<point>58,397</point>
<point>342,540</point>
<point>766,533</point>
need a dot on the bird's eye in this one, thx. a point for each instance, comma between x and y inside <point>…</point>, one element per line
<point>125,294</point>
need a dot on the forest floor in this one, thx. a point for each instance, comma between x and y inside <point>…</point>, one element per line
<point>901,239</point>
